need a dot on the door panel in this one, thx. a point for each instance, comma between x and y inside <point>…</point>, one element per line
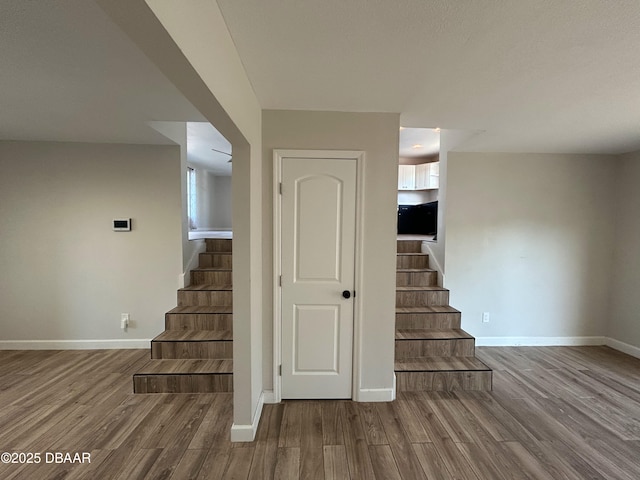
<point>318,224</point>
<point>318,322</point>
<point>318,244</point>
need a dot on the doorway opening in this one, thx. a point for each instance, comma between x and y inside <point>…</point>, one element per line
<point>418,184</point>
<point>208,182</point>
<point>317,264</point>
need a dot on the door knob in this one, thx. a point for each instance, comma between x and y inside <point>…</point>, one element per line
<point>346,294</point>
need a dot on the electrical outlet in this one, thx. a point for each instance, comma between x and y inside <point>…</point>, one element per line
<point>124,321</point>
<point>485,317</point>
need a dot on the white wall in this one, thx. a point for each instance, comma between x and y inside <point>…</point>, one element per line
<point>530,240</point>
<point>624,321</point>
<point>417,197</point>
<point>177,132</point>
<point>67,275</point>
<point>204,197</point>
<point>449,140</point>
<point>377,135</point>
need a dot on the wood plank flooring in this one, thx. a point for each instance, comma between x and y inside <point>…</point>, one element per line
<point>554,413</point>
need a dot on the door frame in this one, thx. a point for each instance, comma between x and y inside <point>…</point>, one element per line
<point>278,156</point>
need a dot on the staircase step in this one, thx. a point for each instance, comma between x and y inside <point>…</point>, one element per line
<point>219,244</point>
<point>201,309</point>
<point>222,260</point>
<point>414,277</point>
<point>421,296</point>
<point>409,246</point>
<point>435,316</point>
<point>211,276</point>
<point>205,295</point>
<point>194,336</point>
<point>442,374</point>
<point>440,364</point>
<point>192,344</point>
<point>412,260</point>
<point>433,343</point>
<point>184,376</point>
<point>431,334</point>
<point>199,318</point>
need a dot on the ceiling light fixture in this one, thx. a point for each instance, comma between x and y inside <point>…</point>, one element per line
<point>417,145</point>
<point>437,129</point>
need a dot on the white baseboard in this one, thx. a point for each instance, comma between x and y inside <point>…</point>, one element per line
<point>143,343</point>
<point>194,261</point>
<point>395,390</point>
<point>538,341</point>
<point>623,347</point>
<point>425,247</point>
<point>269,396</point>
<point>247,433</point>
<point>376,395</point>
<point>558,341</point>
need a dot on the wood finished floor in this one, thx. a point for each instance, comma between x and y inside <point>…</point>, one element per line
<point>554,413</point>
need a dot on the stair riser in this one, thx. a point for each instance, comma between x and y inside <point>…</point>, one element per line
<point>416,279</point>
<point>183,383</point>
<point>215,260</point>
<point>459,347</point>
<point>211,278</point>
<point>204,298</point>
<point>198,321</point>
<point>422,298</point>
<point>219,245</point>
<point>409,246</point>
<point>440,321</point>
<point>443,381</point>
<point>412,261</point>
<point>165,350</point>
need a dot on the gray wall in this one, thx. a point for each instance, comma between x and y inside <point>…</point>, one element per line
<point>221,202</point>
<point>377,135</point>
<point>66,274</point>
<point>530,239</point>
<point>624,319</point>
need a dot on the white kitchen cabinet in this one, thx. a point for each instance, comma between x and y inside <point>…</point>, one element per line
<point>422,176</point>
<point>406,177</point>
<point>434,175</point>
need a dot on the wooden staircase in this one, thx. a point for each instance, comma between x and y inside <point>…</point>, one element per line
<point>194,354</point>
<point>432,352</point>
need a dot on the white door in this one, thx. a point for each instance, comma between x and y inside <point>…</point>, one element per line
<point>318,248</point>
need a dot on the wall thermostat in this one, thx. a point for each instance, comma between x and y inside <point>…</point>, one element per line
<point>121,224</point>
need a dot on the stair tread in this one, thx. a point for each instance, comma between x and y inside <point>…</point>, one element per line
<point>427,309</point>
<point>431,334</point>
<point>194,336</point>
<point>201,309</point>
<point>211,269</point>
<point>415,270</point>
<point>206,287</point>
<point>412,254</point>
<point>187,366</point>
<point>440,364</point>
<point>435,288</point>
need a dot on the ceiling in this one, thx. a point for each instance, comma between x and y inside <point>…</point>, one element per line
<point>419,142</point>
<point>70,74</point>
<point>534,76</point>
<point>531,76</point>
<point>208,149</point>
